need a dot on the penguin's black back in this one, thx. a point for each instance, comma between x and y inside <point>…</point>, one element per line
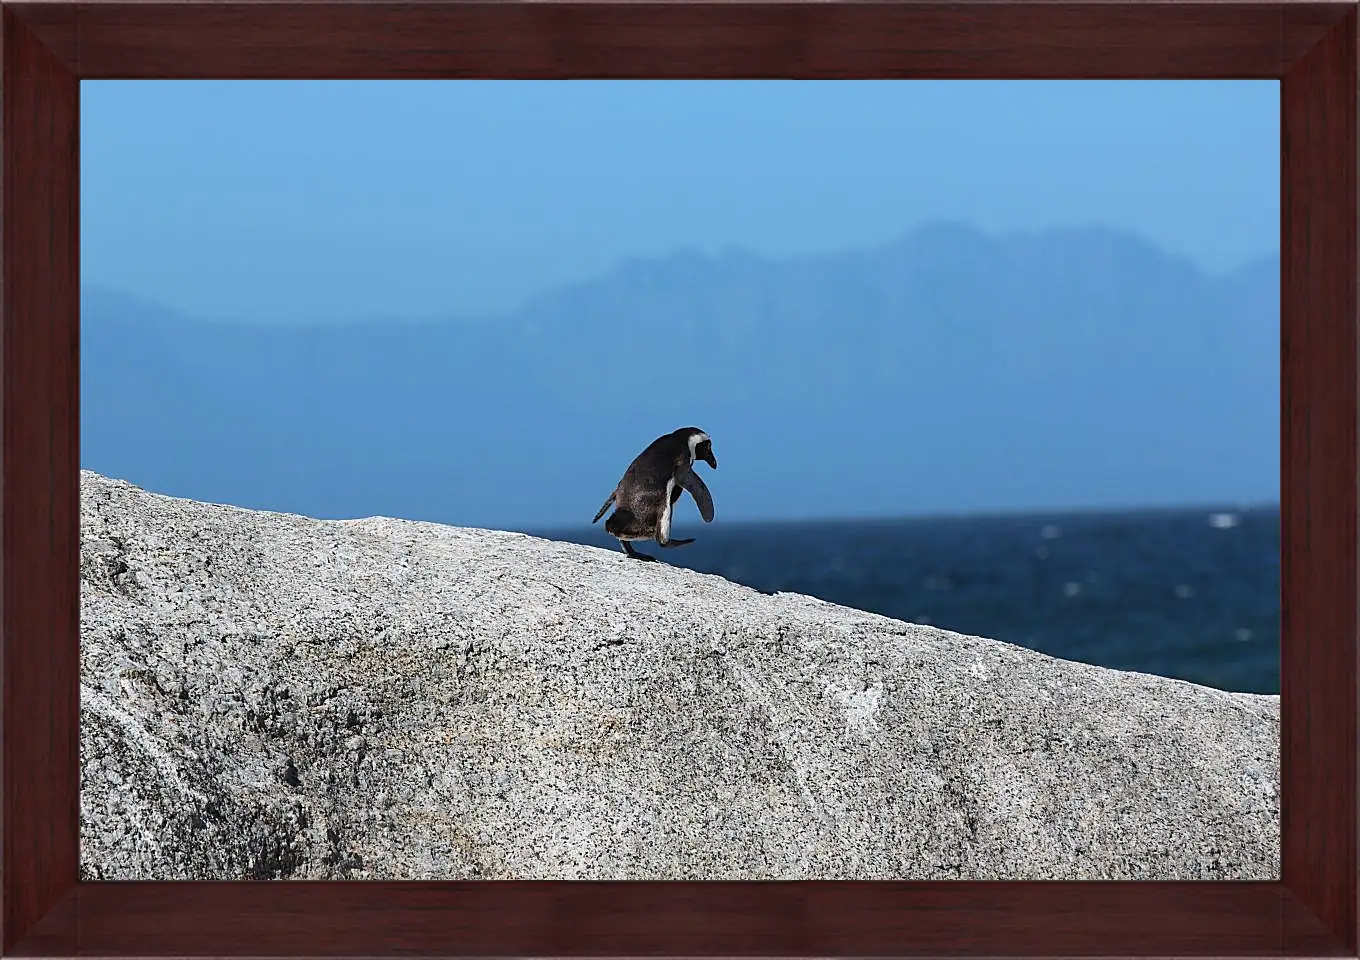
<point>642,491</point>
<point>658,462</point>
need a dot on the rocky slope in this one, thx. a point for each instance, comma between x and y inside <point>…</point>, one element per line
<point>270,696</point>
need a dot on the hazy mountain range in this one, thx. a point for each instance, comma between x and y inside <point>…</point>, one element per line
<point>948,371</point>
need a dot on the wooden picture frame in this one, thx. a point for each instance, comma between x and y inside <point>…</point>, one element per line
<point>50,45</point>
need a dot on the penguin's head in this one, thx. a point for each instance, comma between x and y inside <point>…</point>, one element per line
<point>701,447</point>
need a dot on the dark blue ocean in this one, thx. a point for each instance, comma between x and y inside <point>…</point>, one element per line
<point>1188,593</point>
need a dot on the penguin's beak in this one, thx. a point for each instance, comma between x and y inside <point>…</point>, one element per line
<point>711,460</point>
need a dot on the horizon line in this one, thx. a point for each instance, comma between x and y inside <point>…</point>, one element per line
<point>1209,508</point>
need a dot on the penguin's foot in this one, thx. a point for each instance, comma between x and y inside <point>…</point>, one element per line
<point>675,543</point>
<point>628,549</point>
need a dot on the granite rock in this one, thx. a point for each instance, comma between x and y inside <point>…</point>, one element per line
<point>271,696</point>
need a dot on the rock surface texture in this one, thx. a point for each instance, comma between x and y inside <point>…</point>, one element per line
<point>270,696</point>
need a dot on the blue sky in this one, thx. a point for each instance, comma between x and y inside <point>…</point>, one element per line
<point>342,200</point>
<point>1080,368</point>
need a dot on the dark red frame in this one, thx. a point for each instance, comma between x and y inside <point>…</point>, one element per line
<point>48,45</point>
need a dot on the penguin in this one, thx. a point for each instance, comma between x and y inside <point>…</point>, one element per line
<point>653,483</point>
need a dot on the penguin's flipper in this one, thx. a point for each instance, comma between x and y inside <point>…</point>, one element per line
<point>692,482</point>
<point>675,543</point>
<point>606,506</point>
